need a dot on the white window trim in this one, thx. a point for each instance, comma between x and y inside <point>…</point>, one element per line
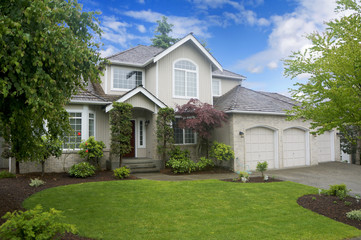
<point>184,136</point>
<point>127,68</point>
<point>84,124</point>
<point>220,87</point>
<point>95,125</point>
<point>197,79</point>
<point>138,133</point>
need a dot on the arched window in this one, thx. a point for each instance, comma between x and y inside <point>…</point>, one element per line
<point>185,83</point>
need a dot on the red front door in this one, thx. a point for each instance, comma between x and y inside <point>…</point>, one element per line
<point>131,154</point>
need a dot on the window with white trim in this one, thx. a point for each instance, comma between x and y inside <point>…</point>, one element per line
<point>126,78</point>
<point>83,124</point>
<point>141,133</point>
<point>183,136</point>
<point>74,139</point>
<point>216,87</point>
<point>185,79</point>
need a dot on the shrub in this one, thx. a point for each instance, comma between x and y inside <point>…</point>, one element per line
<point>204,163</point>
<point>122,172</point>
<point>36,182</point>
<point>92,150</point>
<point>180,161</point>
<point>262,167</point>
<point>339,190</point>
<point>82,170</point>
<point>354,214</point>
<point>6,174</point>
<point>221,152</point>
<point>34,224</point>
<point>243,175</point>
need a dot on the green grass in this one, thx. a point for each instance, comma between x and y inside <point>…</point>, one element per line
<point>208,209</point>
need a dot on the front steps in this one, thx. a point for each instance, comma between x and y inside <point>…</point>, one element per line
<point>142,165</point>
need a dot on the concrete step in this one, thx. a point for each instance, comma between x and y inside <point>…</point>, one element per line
<point>144,170</point>
<point>140,165</point>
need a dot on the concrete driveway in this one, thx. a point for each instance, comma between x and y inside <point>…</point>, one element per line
<point>323,175</point>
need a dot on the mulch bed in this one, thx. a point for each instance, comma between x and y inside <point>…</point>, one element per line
<point>254,180</point>
<point>13,191</point>
<point>332,207</point>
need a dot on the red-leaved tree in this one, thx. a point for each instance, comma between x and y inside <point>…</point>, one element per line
<point>202,118</point>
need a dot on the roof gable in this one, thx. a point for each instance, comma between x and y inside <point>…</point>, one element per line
<point>192,39</point>
<point>133,92</point>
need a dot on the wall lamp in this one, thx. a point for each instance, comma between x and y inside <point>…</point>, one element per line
<point>147,122</point>
<point>241,134</point>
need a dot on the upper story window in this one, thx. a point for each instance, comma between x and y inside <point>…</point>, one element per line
<point>126,78</point>
<point>185,84</point>
<point>216,87</point>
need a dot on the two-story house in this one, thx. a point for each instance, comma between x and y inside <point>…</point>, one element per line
<point>151,78</point>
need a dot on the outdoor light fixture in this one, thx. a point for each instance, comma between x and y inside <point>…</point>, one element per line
<point>241,134</point>
<point>147,122</point>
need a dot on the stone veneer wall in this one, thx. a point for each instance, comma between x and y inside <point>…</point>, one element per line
<point>61,164</point>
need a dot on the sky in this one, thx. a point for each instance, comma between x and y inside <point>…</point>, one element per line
<point>248,37</point>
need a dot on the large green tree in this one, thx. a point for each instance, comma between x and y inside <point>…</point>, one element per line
<point>331,98</point>
<point>162,39</point>
<point>48,50</point>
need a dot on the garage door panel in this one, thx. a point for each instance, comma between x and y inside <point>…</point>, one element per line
<point>294,147</point>
<point>259,147</point>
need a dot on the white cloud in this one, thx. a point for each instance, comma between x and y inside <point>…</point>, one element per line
<point>288,34</point>
<point>141,28</point>
<point>110,50</point>
<point>182,25</point>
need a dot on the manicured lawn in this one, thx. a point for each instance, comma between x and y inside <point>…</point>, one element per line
<point>208,209</point>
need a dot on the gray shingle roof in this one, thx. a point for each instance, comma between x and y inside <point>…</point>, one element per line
<point>89,94</point>
<point>246,100</point>
<point>227,74</point>
<point>138,55</point>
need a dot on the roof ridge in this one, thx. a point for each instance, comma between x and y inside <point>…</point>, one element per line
<point>125,51</point>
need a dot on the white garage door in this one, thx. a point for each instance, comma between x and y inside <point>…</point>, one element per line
<point>294,147</point>
<point>259,147</point>
<point>324,147</point>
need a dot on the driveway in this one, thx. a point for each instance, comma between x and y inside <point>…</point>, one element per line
<point>323,175</point>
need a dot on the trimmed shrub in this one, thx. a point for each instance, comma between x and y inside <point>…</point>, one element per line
<point>34,224</point>
<point>204,163</point>
<point>354,214</point>
<point>122,172</point>
<point>262,167</point>
<point>339,190</point>
<point>82,170</point>
<point>36,182</point>
<point>92,150</point>
<point>180,161</point>
<point>6,174</point>
<point>243,175</point>
<point>221,152</point>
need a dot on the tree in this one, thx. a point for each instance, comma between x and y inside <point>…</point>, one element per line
<point>163,40</point>
<point>48,50</point>
<point>121,129</point>
<point>331,98</point>
<point>50,146</point>
<point>202,118</point>
<point>165,133</point>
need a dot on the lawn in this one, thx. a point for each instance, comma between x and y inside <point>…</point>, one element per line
<point>208,209</point>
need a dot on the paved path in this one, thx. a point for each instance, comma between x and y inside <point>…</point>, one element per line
<point>324,175</point>
<point>165,177</point>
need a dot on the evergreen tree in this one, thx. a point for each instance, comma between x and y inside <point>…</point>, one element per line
<point>163,40</point>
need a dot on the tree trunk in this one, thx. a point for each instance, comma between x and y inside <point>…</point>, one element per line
<point>42,168</point>
<point>120,160</point>
<point>164,151</point>
<point>358,148</point>
<point>17,163</point>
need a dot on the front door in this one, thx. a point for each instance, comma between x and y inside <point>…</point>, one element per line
<point>131,154</point>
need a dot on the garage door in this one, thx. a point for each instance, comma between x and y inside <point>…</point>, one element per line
<point>294,147</point>
<point>324,147</point>
<point>259,147</point>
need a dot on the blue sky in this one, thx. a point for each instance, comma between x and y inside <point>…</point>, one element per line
<point>249,37</point>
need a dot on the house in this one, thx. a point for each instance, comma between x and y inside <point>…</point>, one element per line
<point>151,78</point>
